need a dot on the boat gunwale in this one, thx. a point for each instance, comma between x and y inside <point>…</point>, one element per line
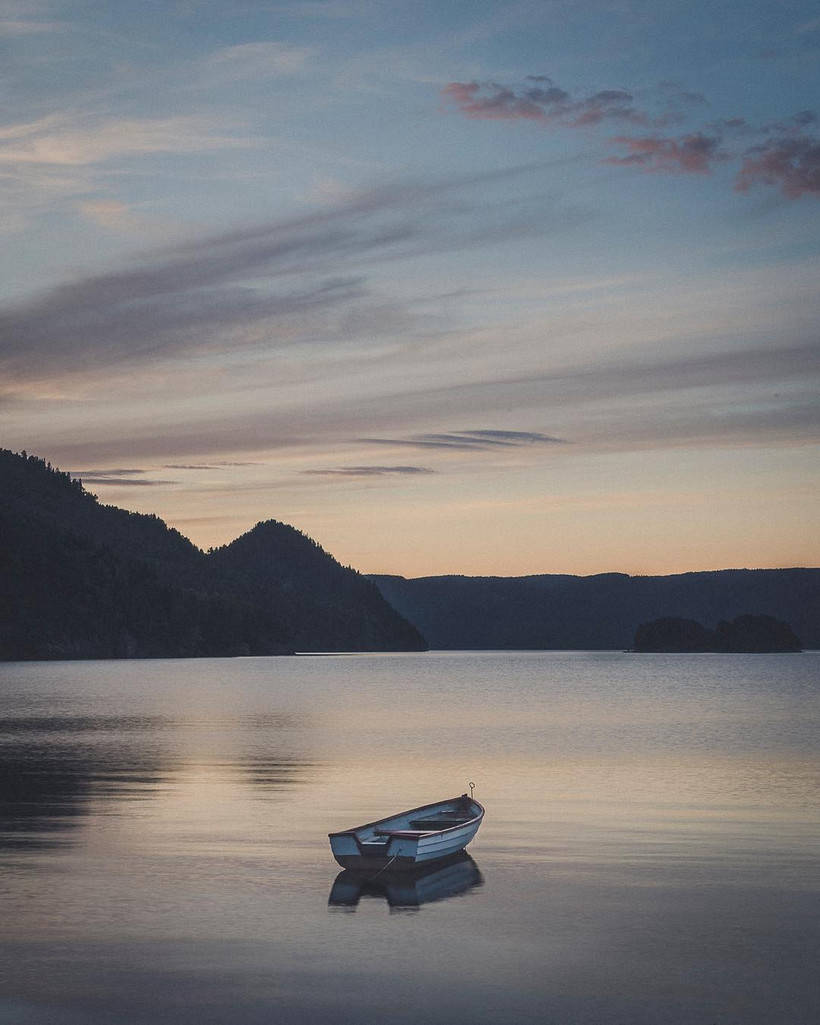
<point>410,833</point>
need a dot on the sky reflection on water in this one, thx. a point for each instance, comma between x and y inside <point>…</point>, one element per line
<point>650,852</point>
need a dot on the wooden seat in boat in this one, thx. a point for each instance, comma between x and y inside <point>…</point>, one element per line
<point>438,822</point>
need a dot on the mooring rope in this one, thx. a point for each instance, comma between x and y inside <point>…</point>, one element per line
<point>384,867</point>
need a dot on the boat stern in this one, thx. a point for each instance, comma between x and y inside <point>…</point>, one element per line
<point>352,852</point>
<point>344,847</point>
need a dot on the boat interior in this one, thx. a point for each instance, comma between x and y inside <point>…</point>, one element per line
<point>422,820</point>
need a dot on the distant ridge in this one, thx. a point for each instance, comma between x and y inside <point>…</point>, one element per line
<point>595,612</point>
<point>79,579</point>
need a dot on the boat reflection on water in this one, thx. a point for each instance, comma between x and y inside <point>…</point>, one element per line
<point>406,890</point>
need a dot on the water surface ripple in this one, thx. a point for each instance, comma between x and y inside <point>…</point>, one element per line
<point>650,852</point>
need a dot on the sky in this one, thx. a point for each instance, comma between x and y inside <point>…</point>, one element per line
<point>452,287</point>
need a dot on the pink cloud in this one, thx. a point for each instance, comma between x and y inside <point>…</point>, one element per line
<point>610,104</point>
<point>788,155</point>
<point>691,153</point>
<point>792,162</point>
<point>541,101</point>
<point>492,101</point>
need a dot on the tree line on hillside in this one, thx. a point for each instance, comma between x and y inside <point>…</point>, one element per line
<point>753,634</point>
<point>79,579</point>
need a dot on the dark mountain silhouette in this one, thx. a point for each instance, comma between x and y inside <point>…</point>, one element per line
<point>596,612</point>
<point>320,605</point>
<point>756,634</point>
<point>748,633</point>
<point>83,580</point>
<point>672,634</point>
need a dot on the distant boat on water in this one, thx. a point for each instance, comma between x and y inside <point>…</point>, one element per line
<point>411,838</point>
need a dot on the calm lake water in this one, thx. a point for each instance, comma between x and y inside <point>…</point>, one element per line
<point>649,856</point>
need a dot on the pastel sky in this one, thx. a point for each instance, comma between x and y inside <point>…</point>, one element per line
<point>453,287</point>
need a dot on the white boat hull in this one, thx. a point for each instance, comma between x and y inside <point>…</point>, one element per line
<point>409,839</point>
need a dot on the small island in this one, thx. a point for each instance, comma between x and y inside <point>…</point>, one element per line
<point>751,634</point>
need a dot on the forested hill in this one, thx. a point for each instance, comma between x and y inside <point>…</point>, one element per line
<point>595,612</point>
<point>79,579</point>
<point>320,605</point>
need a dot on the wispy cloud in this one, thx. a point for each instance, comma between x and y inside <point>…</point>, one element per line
<point>243,62</point>
<point>79,140</point>
<point>219,465</point>
<point>370,471</point>
<point>791,161</point>
<point>245,286</point>
<point>470,441</point>
<point>678,96</point>
<point>694,153</point>
<point>736,395</point>
<point>142,482</point>
<point>644,374</point>
<point>58,162</point>
<point>330,9</point>
<point>540,99</point>
<point>118,478</point>
<point>514,438</point>
<point>114,215</point>
<point>11,28</point>
<point>118,472</point>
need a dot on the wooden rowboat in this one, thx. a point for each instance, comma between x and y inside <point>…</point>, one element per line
<point>409,838</point>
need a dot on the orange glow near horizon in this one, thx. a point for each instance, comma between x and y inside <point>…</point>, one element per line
<point>648,514</point>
